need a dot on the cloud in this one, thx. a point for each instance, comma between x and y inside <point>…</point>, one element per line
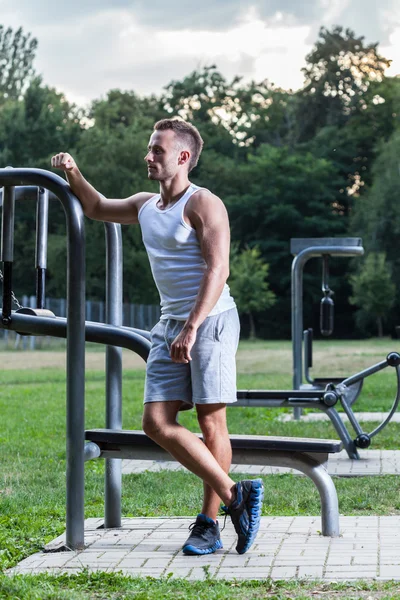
<point>156,14</point>
<point>133,59</point>
<point>87,47</point>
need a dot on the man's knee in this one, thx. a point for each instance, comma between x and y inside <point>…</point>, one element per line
<point>151,425</point>
<point>157,417</point>
<point>212,421</point>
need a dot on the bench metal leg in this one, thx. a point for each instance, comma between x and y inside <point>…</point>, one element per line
<point>314,469</point>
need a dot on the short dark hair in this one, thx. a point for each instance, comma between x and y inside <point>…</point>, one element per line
<point>188,132</point>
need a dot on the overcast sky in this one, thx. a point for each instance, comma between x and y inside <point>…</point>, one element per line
<point>87,47</point>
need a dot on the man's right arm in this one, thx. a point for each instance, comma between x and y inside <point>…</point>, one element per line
<point>96,207</point>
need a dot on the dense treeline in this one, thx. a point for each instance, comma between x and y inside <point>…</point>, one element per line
<point>322,161</point>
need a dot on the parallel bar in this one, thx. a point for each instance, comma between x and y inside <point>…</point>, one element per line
<point>94,332</point>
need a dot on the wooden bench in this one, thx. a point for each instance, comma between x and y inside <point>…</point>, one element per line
<point>307,455</point>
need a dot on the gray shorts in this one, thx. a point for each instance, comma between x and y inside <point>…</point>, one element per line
<point>209,378</point>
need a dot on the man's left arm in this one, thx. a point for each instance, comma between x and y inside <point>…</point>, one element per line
<point>208,216</point>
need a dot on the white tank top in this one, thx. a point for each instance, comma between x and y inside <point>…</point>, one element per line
<point>175,258</point>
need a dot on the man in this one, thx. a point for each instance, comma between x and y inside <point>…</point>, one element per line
<point>192,359</point>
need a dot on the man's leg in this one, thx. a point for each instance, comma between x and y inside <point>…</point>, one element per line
<point>212,421</point>
<point>160,424</point>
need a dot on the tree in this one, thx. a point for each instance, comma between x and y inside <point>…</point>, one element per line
<point>339,71</point>
<point>36,126</point>
<point>248,283</point>
<point>110,155</point>
<point>17,53</point>
<point>373,289</point>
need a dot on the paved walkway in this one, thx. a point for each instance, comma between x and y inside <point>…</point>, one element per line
<point>286,547</point>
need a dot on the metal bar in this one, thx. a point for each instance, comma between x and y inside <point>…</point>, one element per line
<point>7,224</point>
<point>314,394</point>
<point>94,332</point>
<point>298,264</point>
<point>7,247</point>
<point>75,420</point>
<point>393,409</point>
<point>273,403</point>
<point>113,471</point>
<point>42,219</point>
<point>351,416</point>
<point>342,432</point>
<point>7,292</point>
<point>362,374</point>
<point>40,288</point>
<point>143,332</point>
<point>28,192</point>
<point>92,451</point>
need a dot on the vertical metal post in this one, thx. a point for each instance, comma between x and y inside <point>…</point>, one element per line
<point>75,485</point>
<point>75,413</point>
<point>7,248</point>
<point>42,219</point>
<point>113,472</point>
<point>297,325</point>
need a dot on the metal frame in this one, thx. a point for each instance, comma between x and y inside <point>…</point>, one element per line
<point>75,420</point>
<point>304,249</point>
<point>76,331</point>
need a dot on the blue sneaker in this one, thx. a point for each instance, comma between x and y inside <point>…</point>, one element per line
<point>245,512</point>
<point>204,537</point>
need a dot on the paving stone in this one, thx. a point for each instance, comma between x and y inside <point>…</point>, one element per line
<point>284,572</point>
<point>286,547</point>
<point>310,572</point>
<point>201,574</point>
<point>237,573</point>
<point>127,563</point>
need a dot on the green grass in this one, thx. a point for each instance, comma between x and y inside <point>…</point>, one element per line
<point>109,586</point>
<point>32,483</point>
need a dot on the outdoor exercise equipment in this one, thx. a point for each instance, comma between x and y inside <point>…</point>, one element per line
<point>76,330</point>
<point>306,455</point>
<point>324,394</point>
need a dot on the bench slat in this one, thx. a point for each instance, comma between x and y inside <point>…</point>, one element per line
<point>238,442</point>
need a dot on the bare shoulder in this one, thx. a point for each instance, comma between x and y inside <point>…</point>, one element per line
<point>205,209</point>
<point>203,202</point>
<point>139,199</point>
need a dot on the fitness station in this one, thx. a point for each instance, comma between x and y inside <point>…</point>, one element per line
<point>112,443</point>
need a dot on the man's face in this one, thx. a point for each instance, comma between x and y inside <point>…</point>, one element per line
<point>163,157</point>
